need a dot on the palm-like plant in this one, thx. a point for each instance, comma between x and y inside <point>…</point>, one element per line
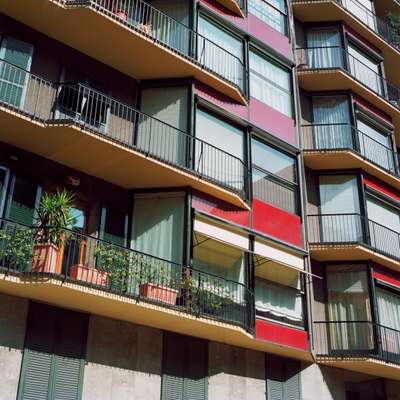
<point>54,214</point>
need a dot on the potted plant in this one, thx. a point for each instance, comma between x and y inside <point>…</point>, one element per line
<point>54,214</point>
<point>155,281</point>
<point>393,23</point>
<point>122,10</point>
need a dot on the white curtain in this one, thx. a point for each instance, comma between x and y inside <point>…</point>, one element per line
<point>270,84</point>
<point>220,51</point>
<point>332,119</point>
<point>375,145</point>
<point>280,301</point>
<point>272,12</point>
<point>365,69</point>
<point>384,226</point>
<point>325,49</point>
<point>340,209</point>
<point>348,302</point>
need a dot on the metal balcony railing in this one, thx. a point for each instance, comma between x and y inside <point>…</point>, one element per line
<point>352,339</point>
<point>89,261</point>
<point>343,136</point>
<point>368,18</point>
<point>167,31</point>
<point>335,57</point>
<point>97,112</point>
<point>353,228</point>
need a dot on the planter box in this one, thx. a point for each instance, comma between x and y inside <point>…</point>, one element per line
<point>89,275</point>
<point>160,293</point>
<point>45,258</point>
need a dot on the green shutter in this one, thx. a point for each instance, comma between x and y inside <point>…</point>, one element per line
<point>196,373</point>
<point>23,199</point>
<point>173,367</point>
<point>53,361</point>
<point>283,378</point>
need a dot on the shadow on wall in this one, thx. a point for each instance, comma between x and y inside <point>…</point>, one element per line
<point>124,345</point>
<point>13,315</point>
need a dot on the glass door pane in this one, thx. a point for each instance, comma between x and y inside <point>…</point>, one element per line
<point>325,50</point>
<point>340,209</point>
<point>17,56</point>
<point>4,177</point>
<point>363,10</point>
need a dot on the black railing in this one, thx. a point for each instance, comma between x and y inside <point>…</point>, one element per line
<point>353,228</point>
<point>97,112</point>
<point>176,36</point>
<point>275,190</point>
<point>335,57</point>
<point>343,136</point>
<point>105,266</point>
<point>352,339</point>
<point>368,18</point>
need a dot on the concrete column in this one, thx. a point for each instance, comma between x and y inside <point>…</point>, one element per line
<point>13,315</point>
<point>235,373</point>
<point>123,361</point>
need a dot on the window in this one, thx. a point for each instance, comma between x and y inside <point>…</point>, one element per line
<point>184,368</point>
<point>279,302</point>
<point>4,178</point>
<point>270,83</point>
<point>340,209</point>
<point>324,48</point>
<point>274,176</point>
<point>364,68</point>
<point>17,56</point>
<point>220,51</point>
<point>53,360</point>
<point>219,141</point>
<point>114,226</point>
<point>272,12</point>
<point>349,306</point>
<point>363,10</point>
<point>283,378</point>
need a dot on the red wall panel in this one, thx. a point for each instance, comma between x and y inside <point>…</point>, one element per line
<point>378,113</point>
<point>381,187</point>
<point>387,275</point>
<point>280,334</point>
<point>278,223</point>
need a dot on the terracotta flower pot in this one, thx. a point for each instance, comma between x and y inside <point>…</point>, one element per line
<point>157,292</point>
<point>89,275</point>
<point>45,258</point>
<point>121,14</point>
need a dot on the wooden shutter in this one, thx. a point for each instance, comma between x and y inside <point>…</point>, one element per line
<point>283,378</point>
<point>53,361</point>
<point>196,371</point>
<point>173,367</point>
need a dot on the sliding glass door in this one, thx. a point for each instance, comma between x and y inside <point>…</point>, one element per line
<point>324,49</point>
<point>332,127</point>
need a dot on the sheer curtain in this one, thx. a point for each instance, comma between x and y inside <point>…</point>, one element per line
<point>273,12</point>
<point>340,209</point>
<point>325,49</point>
<point>270,84</point>
<point>332,119</point>
<point>279,301</point>
<point>348,302</point>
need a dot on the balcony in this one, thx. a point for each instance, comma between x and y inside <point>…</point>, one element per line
<point>361,346</point>
<point>350,237</point>
<point>332,69</point>
<point>87,130</point>
<point>361,19</point>
<point>330,146</point>
<point>114,35</point>
<point>93,275</point>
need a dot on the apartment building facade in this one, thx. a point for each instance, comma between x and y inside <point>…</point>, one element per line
<point>236,182</point>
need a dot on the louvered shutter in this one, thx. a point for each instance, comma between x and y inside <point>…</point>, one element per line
<point>69,356</point>
<point>196,376</point>
<point>292,385</point>
<point>275,378</point>
<point>173,367</point>
<point>37,360</point>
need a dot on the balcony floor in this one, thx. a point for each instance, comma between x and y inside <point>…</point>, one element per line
<point>101,157</point>
<point>347,159</point>
<point>81,298</point>
<point>330,10</point>
<point>113,43</point>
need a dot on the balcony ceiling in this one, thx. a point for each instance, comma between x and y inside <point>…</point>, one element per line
<point>330,10</point>
<point>232,5</point>
<point>337,79</point>
<point>112,43</point>
<point>346,159</point>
